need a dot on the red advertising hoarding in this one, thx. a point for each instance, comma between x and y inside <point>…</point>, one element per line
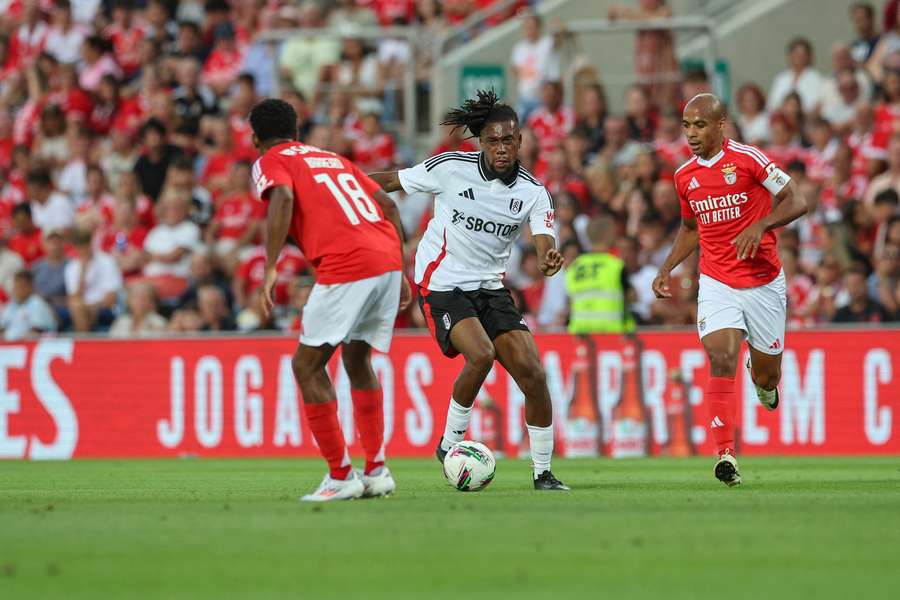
<point>62,398</point>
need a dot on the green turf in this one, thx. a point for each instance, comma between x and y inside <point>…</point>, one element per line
<point>662,528</point>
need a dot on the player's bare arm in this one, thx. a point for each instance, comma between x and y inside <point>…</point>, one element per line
<point>388,180</point>
<point>790,205</point>
<point>278,221</point>
<point>685,244</point>
<point>389,208</point>
<point>549,259</point>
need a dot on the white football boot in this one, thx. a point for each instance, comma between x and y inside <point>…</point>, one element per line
<point>336,489</point>
<point>768,398</point>
<point>378,483</point>
<point>726,470</point>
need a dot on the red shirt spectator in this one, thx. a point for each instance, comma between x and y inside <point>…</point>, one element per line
<point>28,41</point>
<point>389,11</point>
<point>252,271</point>
<point>552,122</point>
<point>375,151</point>
<point>126,38</point>
<point>27,245</point>
<point>234,213</point>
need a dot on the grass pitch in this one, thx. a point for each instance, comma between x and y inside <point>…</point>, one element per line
<point>660,528</point>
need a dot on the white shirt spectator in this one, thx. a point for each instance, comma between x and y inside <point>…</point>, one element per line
<point>56,213</point>
<point>65,46</point>
<point>10,264</point>
<point>755,129</point>
<point>18,320</point>
<point>808,86</point>
<point>642,283</point>
<point>102,277</point>
<point>535,63</point>
<point>72,180</point>
<point>84,11</point>
<point>164,239</point>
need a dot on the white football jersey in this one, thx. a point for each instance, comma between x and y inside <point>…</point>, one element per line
<point>476,220</point>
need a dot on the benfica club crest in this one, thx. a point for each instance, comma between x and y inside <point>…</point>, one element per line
<point>515,206</point>
<point>729,172</point>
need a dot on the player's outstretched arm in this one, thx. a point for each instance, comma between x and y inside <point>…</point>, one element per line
<point>685,244</point>
<point>790,205</point>
<point>388,180</point>
<point>549,259</point>
<point>278,221</point>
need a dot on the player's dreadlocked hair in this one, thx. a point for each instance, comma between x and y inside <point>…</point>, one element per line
<point>273,119</point>
<point>475,113</point>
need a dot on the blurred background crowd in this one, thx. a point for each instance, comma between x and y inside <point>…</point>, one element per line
<point>125,156</point>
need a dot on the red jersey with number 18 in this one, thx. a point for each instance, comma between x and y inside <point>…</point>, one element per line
<point>726,194</point>
<point>337,223</point>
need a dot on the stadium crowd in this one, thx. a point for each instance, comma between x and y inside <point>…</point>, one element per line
<point>125,157</point>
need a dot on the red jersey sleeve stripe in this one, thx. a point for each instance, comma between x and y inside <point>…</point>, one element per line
<point>754,152</point>
<point>758,161</point>
<point>433,265</point>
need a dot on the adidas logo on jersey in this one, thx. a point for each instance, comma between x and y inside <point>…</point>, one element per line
<point>716,423</point>
<point>468,194</point>
<point>694,184</point>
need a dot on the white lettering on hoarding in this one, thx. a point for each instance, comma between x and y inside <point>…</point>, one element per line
<point>171,432</point>
<point>418,420</point>
<point>384,370</point>
<point>559,386</point>
<point>208,401</point>
<point>802,405</point>
<point>654,383</point>
<point>691,360</point>
<point>515,402</point>
<point>877,369</point>
<point>11,357</point>
<point>248,402</point>
<point>609,386</point>
<point>55,401</point>
<point>752,433</point>
<point>287,430</point>
<point>475,430</point>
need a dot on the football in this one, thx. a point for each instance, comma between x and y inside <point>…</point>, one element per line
<point>469,466</point>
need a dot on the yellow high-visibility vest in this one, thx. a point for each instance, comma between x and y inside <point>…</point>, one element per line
<point>594,285</point>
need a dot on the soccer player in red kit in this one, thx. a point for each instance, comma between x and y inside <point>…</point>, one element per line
<point>350,231</point>
<point>726,193</point>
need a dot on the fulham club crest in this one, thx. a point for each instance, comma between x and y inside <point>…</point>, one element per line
<point>729,172</point>
<point>515,206</point>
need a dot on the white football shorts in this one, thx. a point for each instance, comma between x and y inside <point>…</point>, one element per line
<point>760,312</point>
<point>357,310</point>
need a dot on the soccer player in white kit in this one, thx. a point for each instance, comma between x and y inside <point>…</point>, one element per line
<point>726,193</point>
<point>482,202</point>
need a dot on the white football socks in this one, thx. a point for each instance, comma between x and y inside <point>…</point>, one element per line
<point>541,442</point>
<point>458,417</point>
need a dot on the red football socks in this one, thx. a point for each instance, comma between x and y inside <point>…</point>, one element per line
<point>325,427</point>
<point>720,399</point>
<point>368,412</point>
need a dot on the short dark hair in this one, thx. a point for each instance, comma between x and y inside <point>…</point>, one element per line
<point>23,208</point>
<point>81,237</point>
<point>800,41</point>
<point>476,113</point>
<point>864,6</point>
<point>39,176</point>
<point>273,119</point>
<point>888,196</point>
<point>153,124</point>
<point>24,275</point>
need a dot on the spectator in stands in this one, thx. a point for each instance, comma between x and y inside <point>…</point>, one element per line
<point>95,63</point>
<point>10,264</point>
<point>224,62</point>
<point>883,281</point>
<point>251,272</point>
<point>185,321</point>
<point>96,210</point>
<point>303,57</point>
<point>93,282</point>
<point>860,308</point>
<point>800,76</point>
<point>358,71</point>
<point>654,51</point>
<point>618,150</point>
<point>26,315</point>
<point>888,44</point>
<point>49,271</point>
<point>188,42</point>
<point>50,144</point>
<point>153,163</point>
<point>26,238</point>
<point>169,244</point>
<point>351,12</point>
<point>640,277</point>
<point>141,320</point>
<point>123,239</point>
<point>863,16</point>
<point>214,311</point>
<point>839,106</point>
<point>238,219</point>
<point>181,178</point>
<point>192,99</point>
<point>534,61</point>
<point>50,209</point>
<point>373,148</point>
<point>72,178</point>
<point>64,38</point>
<point>670,144</point>
<point>592,114</point>
<point>752,116</point>
<point>890,179</point>
<point>204,273</point>
<point>551,121</point>
<point>642,119</point>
